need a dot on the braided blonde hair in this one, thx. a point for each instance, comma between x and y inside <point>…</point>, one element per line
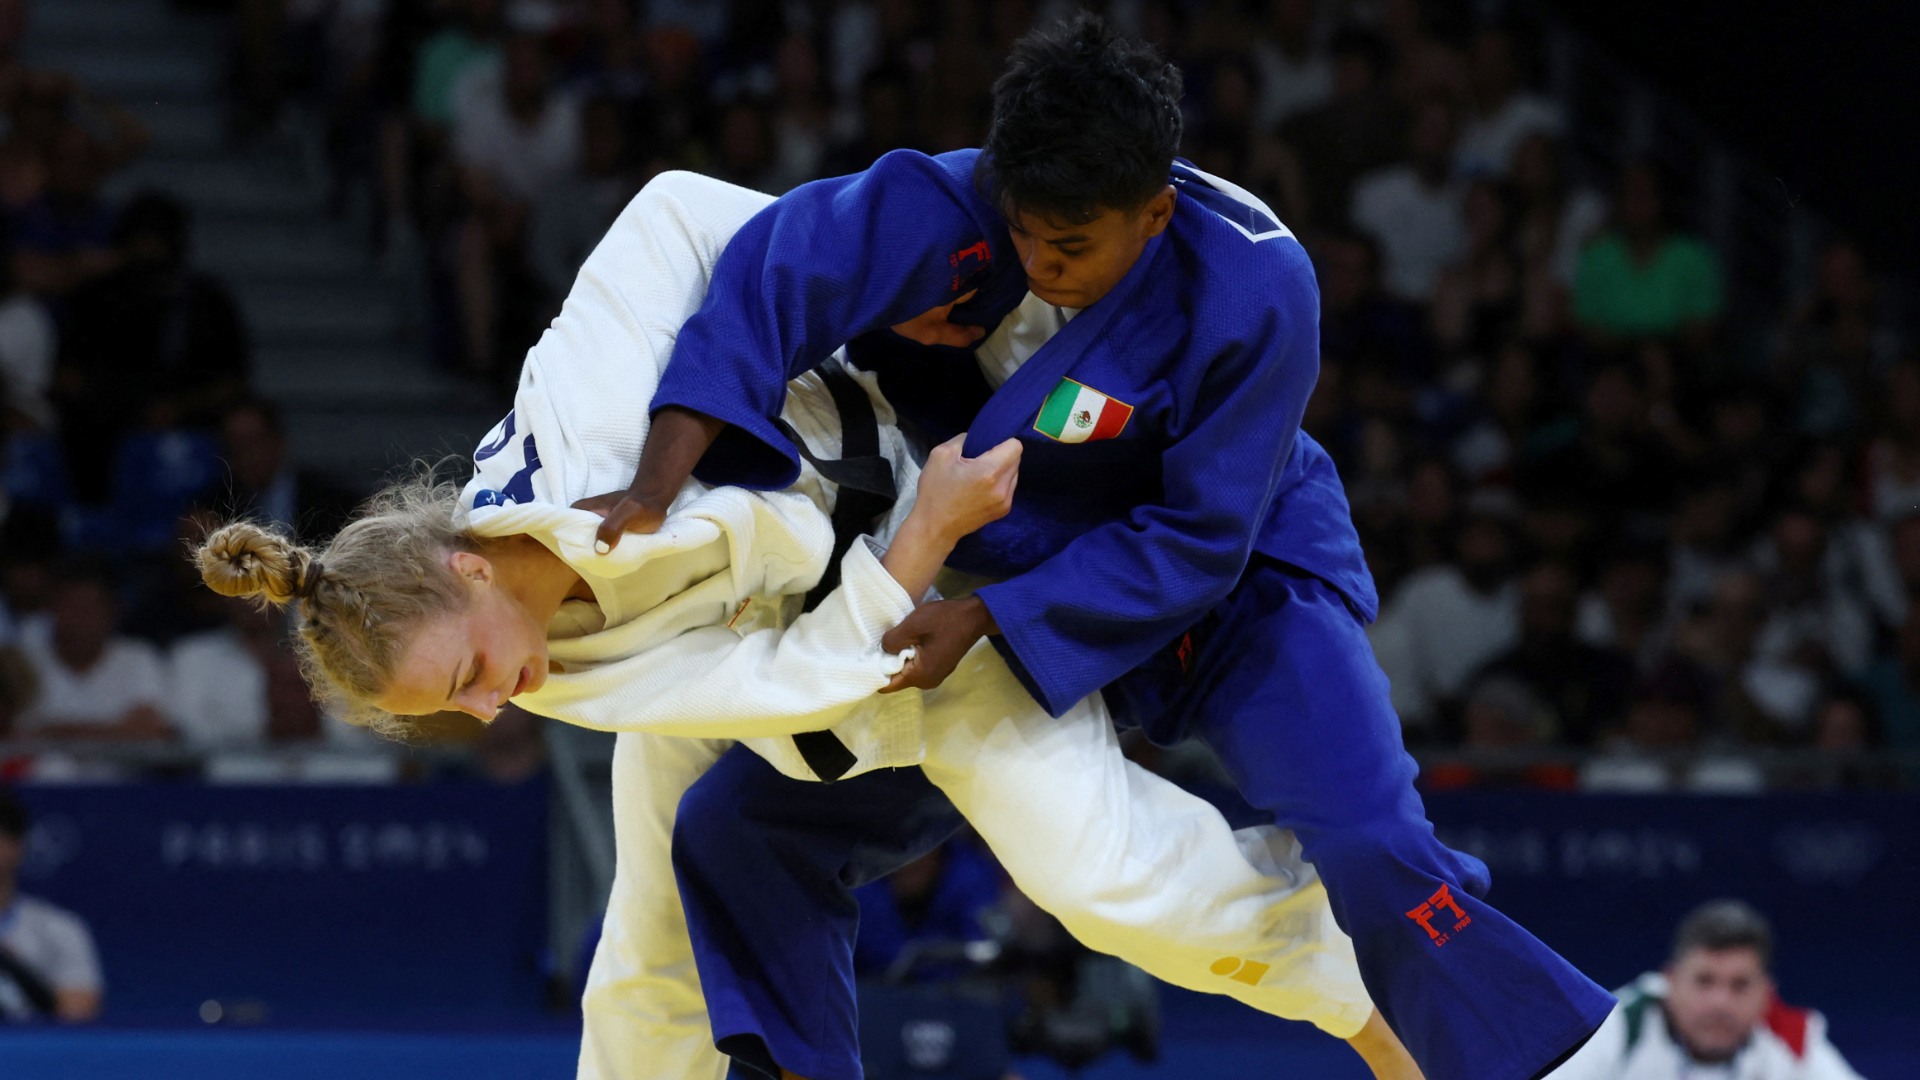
<point>358,601</point>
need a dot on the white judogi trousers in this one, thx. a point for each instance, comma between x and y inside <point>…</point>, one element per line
<point>1130,864</point>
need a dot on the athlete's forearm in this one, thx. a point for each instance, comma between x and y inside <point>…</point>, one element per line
<point>676,441</point>
<point>916,555</point>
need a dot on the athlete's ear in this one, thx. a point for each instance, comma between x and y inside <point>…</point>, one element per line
<point>473,567</point>
<point>1157,213</point>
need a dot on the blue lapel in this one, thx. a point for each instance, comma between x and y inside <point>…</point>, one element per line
<point>1008,412</point>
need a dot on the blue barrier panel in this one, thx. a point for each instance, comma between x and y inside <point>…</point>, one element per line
<point>279,904</point>
<point>1605,880</point>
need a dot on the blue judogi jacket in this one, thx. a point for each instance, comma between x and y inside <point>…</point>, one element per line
<point>1114,547</point>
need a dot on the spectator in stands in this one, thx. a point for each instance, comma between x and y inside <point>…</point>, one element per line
<point>262,481</point>
<point>64,238</point>
<point>1477,300</point>
<point>1836,344</point>
<point>162,594</point>
<point>1413,209</point>
<point>516,138</point>
<point>29,546</point>
<point>802,117</point>
<point>743,145</point>
<point>1817,629</point>
<point>1661,747</point>
<point>1615,460</point>
<point>1296,74</point>
<point>470,39</point>
<point>1712,1011</point>
<point>239,686</point>
<point>1892,469</point>
<point>28,344</point>
<point>94,684</point>
<point>1557,217</point>
<point>1359,319</point>
<point>1358,129</point>
<point>1642,277</point>
<point>1626,611</point>
<point>1891,684</point>
<point>155,344</point>
<point>1582,688</point>
<point>885,122</point>
<point>1447,620</point>
<point>1905,548</point>
<point>1843,738</point>
<point>1858,559</point>
<point>1503,716</point>
<point>48,966</point>
<point>1504,114</point>
<point>18,689</point>
<point>1505,419</point>
<point>570,217</point>
<point>936,901</point>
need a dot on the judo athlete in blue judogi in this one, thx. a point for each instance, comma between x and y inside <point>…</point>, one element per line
<point>1176,540</point>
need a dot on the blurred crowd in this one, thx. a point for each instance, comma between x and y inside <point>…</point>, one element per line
<point>1621,544</point>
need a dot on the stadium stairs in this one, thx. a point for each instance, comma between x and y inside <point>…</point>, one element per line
<point>334,331</point>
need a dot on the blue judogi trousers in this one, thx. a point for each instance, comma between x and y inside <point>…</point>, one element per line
<point>1280,681</point>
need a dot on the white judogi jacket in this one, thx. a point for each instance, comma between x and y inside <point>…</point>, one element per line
<point>726,654</point>
<point>1636,1044</point>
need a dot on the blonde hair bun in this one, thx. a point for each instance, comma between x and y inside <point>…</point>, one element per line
<point>245,560</point>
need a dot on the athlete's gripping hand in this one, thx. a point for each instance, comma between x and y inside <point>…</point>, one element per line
<point>940,634</point>
<point>675,442</point>
<point>958,495</point>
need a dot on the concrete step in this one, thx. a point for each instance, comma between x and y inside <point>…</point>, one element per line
<point>360,379</point>
<point>360,448</point>
<point>313,315</point>
<point>224,186</point>
<point>303,248</point>
<point>127,69</point>
<point>97,20</point>
<point>183,129</point>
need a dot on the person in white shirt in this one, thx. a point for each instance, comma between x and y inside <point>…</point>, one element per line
<point>1711,1014</point>
<point>48,965</point>
<point>1415,210</point>
<point>1296,70</point>
<point>1503,114</point>
<point>516,136</point>
<point>1446,620</point>
<point>94,684</point>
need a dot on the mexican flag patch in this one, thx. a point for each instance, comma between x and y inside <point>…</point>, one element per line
<point>1077,413</point>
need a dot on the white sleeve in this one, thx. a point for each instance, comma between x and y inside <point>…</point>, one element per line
<point>715,682</point>
<point>75,964</point>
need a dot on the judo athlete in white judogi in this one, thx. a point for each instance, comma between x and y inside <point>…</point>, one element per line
<point>695,641</point>
<point>687,639</point>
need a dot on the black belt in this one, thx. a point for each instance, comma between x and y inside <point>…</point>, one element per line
<point>866,493</point>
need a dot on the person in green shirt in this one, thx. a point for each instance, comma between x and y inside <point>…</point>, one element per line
<point>1643,279</point>
<point>449,54</point>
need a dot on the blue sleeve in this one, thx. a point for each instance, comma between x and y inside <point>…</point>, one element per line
<point>1107,601</point>
<point>825,263</point>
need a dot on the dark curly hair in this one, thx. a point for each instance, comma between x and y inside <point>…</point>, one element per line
<point>1084,121</point>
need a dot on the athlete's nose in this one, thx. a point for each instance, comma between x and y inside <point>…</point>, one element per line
<point>1038,267</point>
<point>481,705</point>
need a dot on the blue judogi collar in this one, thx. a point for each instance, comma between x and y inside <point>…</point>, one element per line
<point>1007,413</point>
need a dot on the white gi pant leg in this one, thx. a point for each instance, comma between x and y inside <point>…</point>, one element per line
<point>1132,865</point>
<point>645,1015</point>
